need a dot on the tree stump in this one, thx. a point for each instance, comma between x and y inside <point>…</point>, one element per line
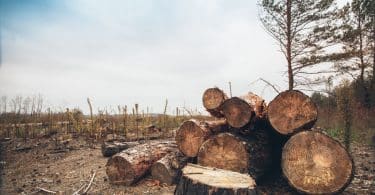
<point>130,165</point>
<point>250,154</point>
<point>205,180</point>
<point>193,133</point>
<point>237,111</point>
<point>292,111</point>
<point>314,163</point>
<point>212,100</point>
<point>168,169</point>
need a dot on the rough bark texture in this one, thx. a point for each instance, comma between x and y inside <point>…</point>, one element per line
<point>168,169</point>
<point>292,111</point>
<point>130,165</point>
<point>250,154</point>
<point>111,148</point>
<point>193,133</point>
<point>314,163</point>
<point>237,111</point>
<point>257,103</point>
<point>204,180</point>
<point>212,100</point>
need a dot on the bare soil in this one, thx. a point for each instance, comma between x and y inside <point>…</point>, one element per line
<point>65,165</point>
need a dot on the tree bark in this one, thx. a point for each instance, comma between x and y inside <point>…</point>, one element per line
<point>314,163</point>
<point>289,43</point>
<point>250,154</point>
<point>292,111</point>
<point>212,99</point>
<point>168,169</point>
<point>257,103</point>
<point>204,180</point>
<point>240,111</point>
<point>111,148</point>
<point>193,133</point>
<point>130,165</point>
<point>366,98</point>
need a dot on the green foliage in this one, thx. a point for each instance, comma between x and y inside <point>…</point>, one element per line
<point>303,33</point>
<point>335,132</point>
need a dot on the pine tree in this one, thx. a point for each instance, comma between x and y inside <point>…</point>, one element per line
<point>303,30</point>
<point>354,33</point>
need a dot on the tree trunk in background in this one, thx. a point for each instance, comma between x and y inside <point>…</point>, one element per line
<point>289,43</point>
<point>204,180</point>
<point>314,163</point>
<point>292,111</point>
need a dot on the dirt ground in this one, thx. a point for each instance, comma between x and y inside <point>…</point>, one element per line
<point>65,166</point>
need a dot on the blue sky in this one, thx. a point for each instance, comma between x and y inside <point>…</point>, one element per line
<point>124,52</point>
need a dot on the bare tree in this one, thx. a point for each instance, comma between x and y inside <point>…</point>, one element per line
<point>91,117</point>
<point>26,105</point>
<point>355,34</point>
<point>39,106</point>
<point>33,105</point>
<point>13,105</point>
<point>18,102</point>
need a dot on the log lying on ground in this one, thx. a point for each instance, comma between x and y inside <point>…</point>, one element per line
<point>314,163</point>
<point>292,111</point>
<point>149,137</point>
<point>193,133</point>
<point>111,148</point>
<point>237,111</point>
<point>250,154</point>
<point>204,180</point>
<point>114,137</point>
<point>130,165</point>
<point>168,169</point>
<point>212,100</point>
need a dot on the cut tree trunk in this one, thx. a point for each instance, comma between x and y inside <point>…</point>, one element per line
<point>292,111</point>
<point>193,133</point>
<point>257,103</point>
<point>130,165</point>
<point>168,169</point>
<point>314,163</point>
<point>113,147</point>
<point>212,100</point>
<point>237,111</point>
<point>250,154</point>
<point>205,180</point>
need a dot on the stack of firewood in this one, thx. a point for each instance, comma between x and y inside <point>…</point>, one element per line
<point>244,143</point>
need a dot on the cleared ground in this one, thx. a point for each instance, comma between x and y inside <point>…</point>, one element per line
<point>67,164</point>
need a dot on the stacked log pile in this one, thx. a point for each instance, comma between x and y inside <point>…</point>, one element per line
<point>247,140</point>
